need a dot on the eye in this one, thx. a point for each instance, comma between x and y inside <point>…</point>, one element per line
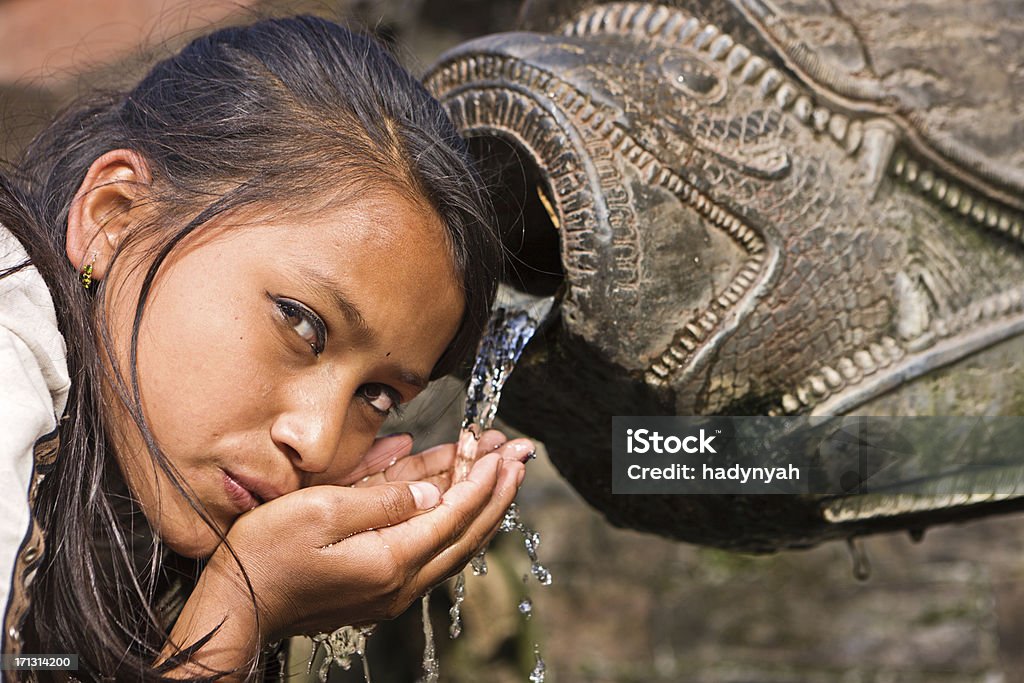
<point>380,397</point>
<point>305,322</point>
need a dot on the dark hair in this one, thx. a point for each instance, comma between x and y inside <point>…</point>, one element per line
<point>267,116</point>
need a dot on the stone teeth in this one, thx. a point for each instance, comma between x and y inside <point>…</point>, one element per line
<point>832,378</point>
<point>992,216</point>
<point>658,19</point>
<point>818,387</point>
<point>911,171</point>
<point>752,69</point>
<point>802,396</point>
<point>1015,229</point>
<point>720,46</point>
<point>847,369</point>
<point>940,189</point>
<point>819,119</point>
<point>966,202</point>
<point>688,29</point>
<point>899,163</point>
<point>703,38</point>
<point>802,108</point>
<point>854,136</point>
<point>879,354</point>
<point>892,348</point>
<point>737,57</point>
<point>953,197</point>
<point>926,180</point>
<point>640,14</point>
<point>978,212</point>
<point>785,95</point>
<point>837,126</point>
<point>864,361</point>
<point>790,404</point>
<point>771,80</point>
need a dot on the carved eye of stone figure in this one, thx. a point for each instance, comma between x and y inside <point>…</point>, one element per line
<point>695,77</point>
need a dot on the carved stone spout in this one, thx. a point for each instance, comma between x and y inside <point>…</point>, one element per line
<point>742,218</point>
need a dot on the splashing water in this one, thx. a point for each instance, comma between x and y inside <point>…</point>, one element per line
<point>539,670</point>
<point>531,539</point>
<point>431,668</point>
<point>479,563</point>
<point>503,342</point>
<point>526,607</point>
<point>459,594</point>
<point>339,646</point>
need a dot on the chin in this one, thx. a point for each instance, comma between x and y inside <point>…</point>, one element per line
<point>197,542</point>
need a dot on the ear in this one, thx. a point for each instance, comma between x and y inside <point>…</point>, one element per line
<point>102,210</point>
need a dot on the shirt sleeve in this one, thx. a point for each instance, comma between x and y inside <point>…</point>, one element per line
<point>26,415</point>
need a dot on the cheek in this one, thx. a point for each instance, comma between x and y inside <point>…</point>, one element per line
<point>201,371</point>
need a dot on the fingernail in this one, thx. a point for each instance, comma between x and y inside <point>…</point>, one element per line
<point>522,451</point>
<point>388,436</point>
<point>425,494</point>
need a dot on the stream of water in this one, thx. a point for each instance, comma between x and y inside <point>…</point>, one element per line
<point>507,334</point>
<point>503,342</point>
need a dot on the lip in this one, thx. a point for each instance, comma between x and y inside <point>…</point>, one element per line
<point>242,497</point>
<point>247,492</point>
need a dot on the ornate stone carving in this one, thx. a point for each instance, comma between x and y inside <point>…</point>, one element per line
<point>746,226</point>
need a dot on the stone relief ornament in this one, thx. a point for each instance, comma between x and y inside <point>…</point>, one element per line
<point>754,208</point>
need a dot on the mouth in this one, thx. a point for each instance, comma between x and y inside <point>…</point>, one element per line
<point>240,496</point>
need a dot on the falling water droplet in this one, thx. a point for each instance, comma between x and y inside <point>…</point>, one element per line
<point>861,564</point>
<point>526,607</point>
<point>459,591</point>
<point>541,573</point>
<point>510,522</point>
<point>479,563</point>
<point>539,670</point>
<point>431,669</point>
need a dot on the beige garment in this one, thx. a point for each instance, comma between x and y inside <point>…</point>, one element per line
<point>34,387</point>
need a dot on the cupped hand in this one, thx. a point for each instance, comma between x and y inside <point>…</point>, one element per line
<point>327,555</point>
<point>390,459</point>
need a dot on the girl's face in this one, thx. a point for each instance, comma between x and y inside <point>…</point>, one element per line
<point>271,351</point>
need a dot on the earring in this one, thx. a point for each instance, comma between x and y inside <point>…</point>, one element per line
<point>85,276</point>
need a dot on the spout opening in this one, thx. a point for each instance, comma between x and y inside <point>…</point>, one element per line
<point>525,211</point>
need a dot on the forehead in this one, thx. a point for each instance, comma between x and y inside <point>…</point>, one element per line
<point>389,255</point>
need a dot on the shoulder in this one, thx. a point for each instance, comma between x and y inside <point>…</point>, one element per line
<point>35,385</point>
<point>31,345</point>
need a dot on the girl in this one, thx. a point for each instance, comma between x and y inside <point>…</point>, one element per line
<point>281,241</point>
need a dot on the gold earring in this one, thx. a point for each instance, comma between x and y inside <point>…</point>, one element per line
<point>86,275</point>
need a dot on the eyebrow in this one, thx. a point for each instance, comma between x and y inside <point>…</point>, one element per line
<point>352,314</point>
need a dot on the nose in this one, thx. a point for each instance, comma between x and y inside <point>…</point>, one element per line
<point>310,428</point>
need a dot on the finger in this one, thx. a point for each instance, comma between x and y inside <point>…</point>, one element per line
<point>341,511</point>
<point>517,449</point>
<point>424,536</point>
<point>457,555</point>
<point>384,452</point>
<point>429,463</point>
<point>490,440</point>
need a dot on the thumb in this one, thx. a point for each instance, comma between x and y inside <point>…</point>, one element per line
<point>355,510</point>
